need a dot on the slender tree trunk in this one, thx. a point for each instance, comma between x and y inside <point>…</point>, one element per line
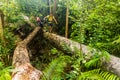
<point>66,31</point>
<point>50,8</point>
<point>6,1</point>
<point>55,7</point>
<point>23,69</point>
<point>1,24</point>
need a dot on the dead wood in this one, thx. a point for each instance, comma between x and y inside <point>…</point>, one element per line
<point>113,65</point>
<point>23,69</point>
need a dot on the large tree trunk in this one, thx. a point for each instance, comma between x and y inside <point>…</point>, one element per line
<point>23,69</point>
<point>113,65</point>
<point>61,42</point>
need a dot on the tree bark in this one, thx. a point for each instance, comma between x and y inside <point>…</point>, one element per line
<point>50,9</point>
<point>67,10</point>
<point>113,65</point>
<point>1,24</point>
<point>55,7</point>
<point>23,69</point>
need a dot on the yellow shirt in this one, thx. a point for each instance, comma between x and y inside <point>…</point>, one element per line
<point>50,18</point>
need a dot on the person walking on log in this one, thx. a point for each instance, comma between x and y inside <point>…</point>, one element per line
<point>50,19</point>
<point>40,23</point>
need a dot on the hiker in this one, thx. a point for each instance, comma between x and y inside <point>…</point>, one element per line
<point>50,19</point>
<point>40,23</point>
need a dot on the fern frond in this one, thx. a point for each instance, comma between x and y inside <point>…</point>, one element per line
<point>55,69</point>
<point>93,62</point>
<point>97,74</point>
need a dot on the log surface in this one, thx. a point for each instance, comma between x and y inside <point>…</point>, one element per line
<point>23,69</point>
<point>113,65</point>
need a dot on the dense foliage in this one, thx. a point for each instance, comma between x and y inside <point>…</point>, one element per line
<point>4,72</point>
<point>99,20</point>
<point>92,22</point>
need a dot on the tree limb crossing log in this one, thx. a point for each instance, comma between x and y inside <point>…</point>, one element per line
<point>23,69</point>
<point>113,65</point>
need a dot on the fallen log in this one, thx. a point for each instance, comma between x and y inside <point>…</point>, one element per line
<point>21,62</point>
<point>113,65</point>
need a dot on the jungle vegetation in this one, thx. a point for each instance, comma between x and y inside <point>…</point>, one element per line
<point>95,23</point>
